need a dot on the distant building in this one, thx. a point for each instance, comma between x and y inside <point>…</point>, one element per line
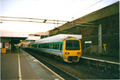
<point>33,37</point>
<point>37,36</point>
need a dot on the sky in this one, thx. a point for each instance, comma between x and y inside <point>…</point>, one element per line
<point>67,10</point>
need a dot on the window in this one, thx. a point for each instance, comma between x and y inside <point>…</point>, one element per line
<point>72,45</point>
<point>31,35</point>
<point>56,47</point>
<point>45,46</point>
<point>50,46</point>
<point>36,35</point>
<point>34,45</point>
<point>60,46</point>
<point>46,36</point>
<point>41,46</point>
<point>42,36</point>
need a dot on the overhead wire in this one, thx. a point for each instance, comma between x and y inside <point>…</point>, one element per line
<point>85,9</point>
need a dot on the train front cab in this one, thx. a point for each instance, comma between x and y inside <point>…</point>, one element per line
<point>72,50</point>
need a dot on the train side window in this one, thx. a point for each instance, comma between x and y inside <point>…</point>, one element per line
<point>56,46</point>
<point>35,46</point>
<point>39,46</point>
<point>52,46</point>
<point>47,46</point>
<point>60,46</point>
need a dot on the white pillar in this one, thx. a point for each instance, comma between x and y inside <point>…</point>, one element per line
<point>100,39</point>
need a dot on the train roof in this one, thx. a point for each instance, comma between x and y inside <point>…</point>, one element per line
<point>58,38</point>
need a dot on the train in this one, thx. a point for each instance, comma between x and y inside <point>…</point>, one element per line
<point>63,46</point>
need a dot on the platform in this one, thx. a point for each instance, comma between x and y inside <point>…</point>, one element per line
<point>19,65</point>
<point>107,59</point>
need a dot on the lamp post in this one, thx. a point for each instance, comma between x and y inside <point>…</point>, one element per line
<point>81,39</point>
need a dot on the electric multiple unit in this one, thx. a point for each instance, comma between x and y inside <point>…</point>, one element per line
<point>64,46</point>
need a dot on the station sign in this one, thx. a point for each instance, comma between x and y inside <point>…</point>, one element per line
<point>88,41</point>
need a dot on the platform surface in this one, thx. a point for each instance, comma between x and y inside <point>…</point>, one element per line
<point>19,65</point>
<point>108,59</point>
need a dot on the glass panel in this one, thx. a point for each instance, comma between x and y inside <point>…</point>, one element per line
<point>60,46</point>
<point>72,45</point>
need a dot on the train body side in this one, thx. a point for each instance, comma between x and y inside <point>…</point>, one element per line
<point>68,49</point>
<point>52,48</point>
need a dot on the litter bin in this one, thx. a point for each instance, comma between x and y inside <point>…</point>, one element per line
<point>3,50</point>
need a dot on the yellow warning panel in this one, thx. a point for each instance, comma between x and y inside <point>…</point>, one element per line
<point>3,50</point>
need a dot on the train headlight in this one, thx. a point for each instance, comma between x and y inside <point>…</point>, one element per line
<point>78,52</point>
<point>67,53</point>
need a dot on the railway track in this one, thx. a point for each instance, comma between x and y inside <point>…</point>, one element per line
<point>57,70</point>
<point>79,70</point>
<point>101,65</point>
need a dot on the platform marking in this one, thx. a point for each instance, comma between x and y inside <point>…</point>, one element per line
<point>45,66</point>
<point>49,69</point>
<point>20,77</point>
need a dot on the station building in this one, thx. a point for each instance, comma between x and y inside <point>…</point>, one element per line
<point>35,36</point>
<point>10,39</point>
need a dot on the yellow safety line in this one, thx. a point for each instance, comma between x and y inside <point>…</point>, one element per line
<point>20,77</point>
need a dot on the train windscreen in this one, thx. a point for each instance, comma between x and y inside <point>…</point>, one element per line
<point>72,45</point>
